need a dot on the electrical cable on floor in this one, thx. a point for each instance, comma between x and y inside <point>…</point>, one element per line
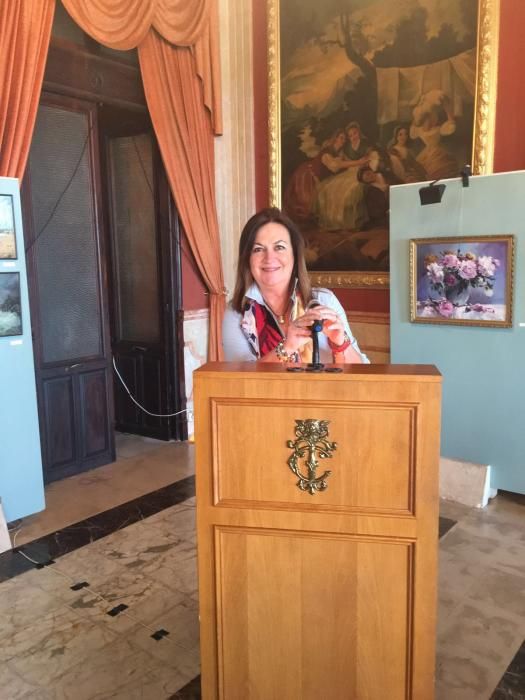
<point>155,415</point>
<point>19,551</point>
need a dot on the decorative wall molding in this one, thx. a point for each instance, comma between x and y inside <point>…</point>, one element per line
<point>195,331</point>
<point>486,87</point>
<point>380,317</point>
<point>194,314</point>
<point>372,330</point>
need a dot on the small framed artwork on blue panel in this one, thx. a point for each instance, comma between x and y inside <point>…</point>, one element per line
<point>7,228</point>
<point>10,304</point>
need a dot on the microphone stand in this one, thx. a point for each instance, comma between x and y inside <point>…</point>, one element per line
<point>315,365</point>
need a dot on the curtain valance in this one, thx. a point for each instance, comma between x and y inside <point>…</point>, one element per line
<point>125,24</point>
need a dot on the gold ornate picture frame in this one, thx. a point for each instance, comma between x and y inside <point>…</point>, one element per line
<point>356,253</point>
<point>466,281</point>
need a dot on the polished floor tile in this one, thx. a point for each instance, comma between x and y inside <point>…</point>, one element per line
<point>512,685</point>
<point>72,537</point>
<point>116,616</point>
<point>85,495</point>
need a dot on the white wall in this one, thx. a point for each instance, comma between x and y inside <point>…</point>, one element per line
<point>234,150</point>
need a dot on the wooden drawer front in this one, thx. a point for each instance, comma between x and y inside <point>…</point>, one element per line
<point>373,468</point>
<point>339,606</point>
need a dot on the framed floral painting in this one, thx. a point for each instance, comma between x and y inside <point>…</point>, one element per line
<point>366,94</point>
<point>462,281</point>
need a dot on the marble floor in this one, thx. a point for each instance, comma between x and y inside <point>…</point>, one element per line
<point>111,609</point>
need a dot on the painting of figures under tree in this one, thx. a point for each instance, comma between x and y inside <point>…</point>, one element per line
<point>372,93</point>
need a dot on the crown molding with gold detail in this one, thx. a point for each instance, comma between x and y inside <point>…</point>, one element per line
<point>334,280</point>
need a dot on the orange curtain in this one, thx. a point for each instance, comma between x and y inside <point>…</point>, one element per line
<point>174,94</point>
<point>179,60</point>
<point>124,24</point>
<point>25,31</point>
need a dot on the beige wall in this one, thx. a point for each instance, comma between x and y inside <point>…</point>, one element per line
<point>234,150</point>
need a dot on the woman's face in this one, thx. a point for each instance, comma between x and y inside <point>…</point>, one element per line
<point>353,133</point>
<point>339,141</point>
<point>272,258</point>
<point>402,137</point>
<point>374,160</point>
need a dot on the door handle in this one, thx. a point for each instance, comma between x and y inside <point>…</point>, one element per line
<point>78,364</point>
<point>139,347</point>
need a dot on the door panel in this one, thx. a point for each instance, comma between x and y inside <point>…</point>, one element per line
<point>134,239</point>
<point>59,411</point>
<point>93,393</point>
<point>66,268</point>
<point>140,322</point>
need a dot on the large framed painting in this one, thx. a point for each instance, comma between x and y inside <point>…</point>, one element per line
<point>462,281</point>
<point>365,94</point>
<point>7,228</point>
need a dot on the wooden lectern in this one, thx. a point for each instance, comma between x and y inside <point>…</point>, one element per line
<point>317,524</point>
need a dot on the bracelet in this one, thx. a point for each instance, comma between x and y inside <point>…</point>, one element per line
<point>284,356</point>
<point>340,348</point>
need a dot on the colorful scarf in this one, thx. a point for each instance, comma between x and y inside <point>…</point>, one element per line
<point>263,333</point>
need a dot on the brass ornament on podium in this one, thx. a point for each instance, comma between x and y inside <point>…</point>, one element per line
<point>312,443</point>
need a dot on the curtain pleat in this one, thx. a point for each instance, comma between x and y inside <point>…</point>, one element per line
<point>119,24</point>
<point>183,129</point>
<point>25,31</point>
<point>181,22</point>
<point>124,24</point>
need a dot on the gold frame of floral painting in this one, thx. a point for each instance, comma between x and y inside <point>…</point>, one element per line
<point>454,242</point>
<point>483,128</point>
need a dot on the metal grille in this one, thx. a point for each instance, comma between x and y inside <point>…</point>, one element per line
<point>134,238</point>
<point>66,251</point>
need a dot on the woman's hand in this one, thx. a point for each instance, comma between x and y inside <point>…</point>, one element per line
<point>333,326</point>
<point>297,335</point>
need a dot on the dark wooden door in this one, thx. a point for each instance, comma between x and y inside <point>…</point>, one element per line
<point>66,265</point>
<point>142,233</point>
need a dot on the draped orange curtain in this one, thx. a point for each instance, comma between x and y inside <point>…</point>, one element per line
<point>124,24</point>
<point>25,31</point>
<point>179,61</point>
<point>175,100</point>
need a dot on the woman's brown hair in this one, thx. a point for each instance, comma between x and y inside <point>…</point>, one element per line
<point>244,276</point>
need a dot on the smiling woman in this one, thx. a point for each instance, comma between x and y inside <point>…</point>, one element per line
<point>271,313</point>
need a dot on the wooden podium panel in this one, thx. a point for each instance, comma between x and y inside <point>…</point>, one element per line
<point>329,593</point>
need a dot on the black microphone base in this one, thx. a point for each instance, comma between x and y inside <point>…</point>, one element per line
<point>315,367</point>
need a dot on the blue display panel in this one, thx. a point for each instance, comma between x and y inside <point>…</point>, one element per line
<point>21,480</point>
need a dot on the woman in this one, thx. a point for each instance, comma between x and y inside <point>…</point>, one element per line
<point>404,164</point>
<point>340,203</point>
<point>300,192</point>
<point>269,318</point>
<point>433,119</point>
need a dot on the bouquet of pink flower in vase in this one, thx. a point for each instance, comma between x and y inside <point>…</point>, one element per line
<point>454,275</point>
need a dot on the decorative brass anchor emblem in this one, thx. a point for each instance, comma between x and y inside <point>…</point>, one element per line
<point>312,441</point>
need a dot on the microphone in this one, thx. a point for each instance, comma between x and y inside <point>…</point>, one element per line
<point>317,326</point>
